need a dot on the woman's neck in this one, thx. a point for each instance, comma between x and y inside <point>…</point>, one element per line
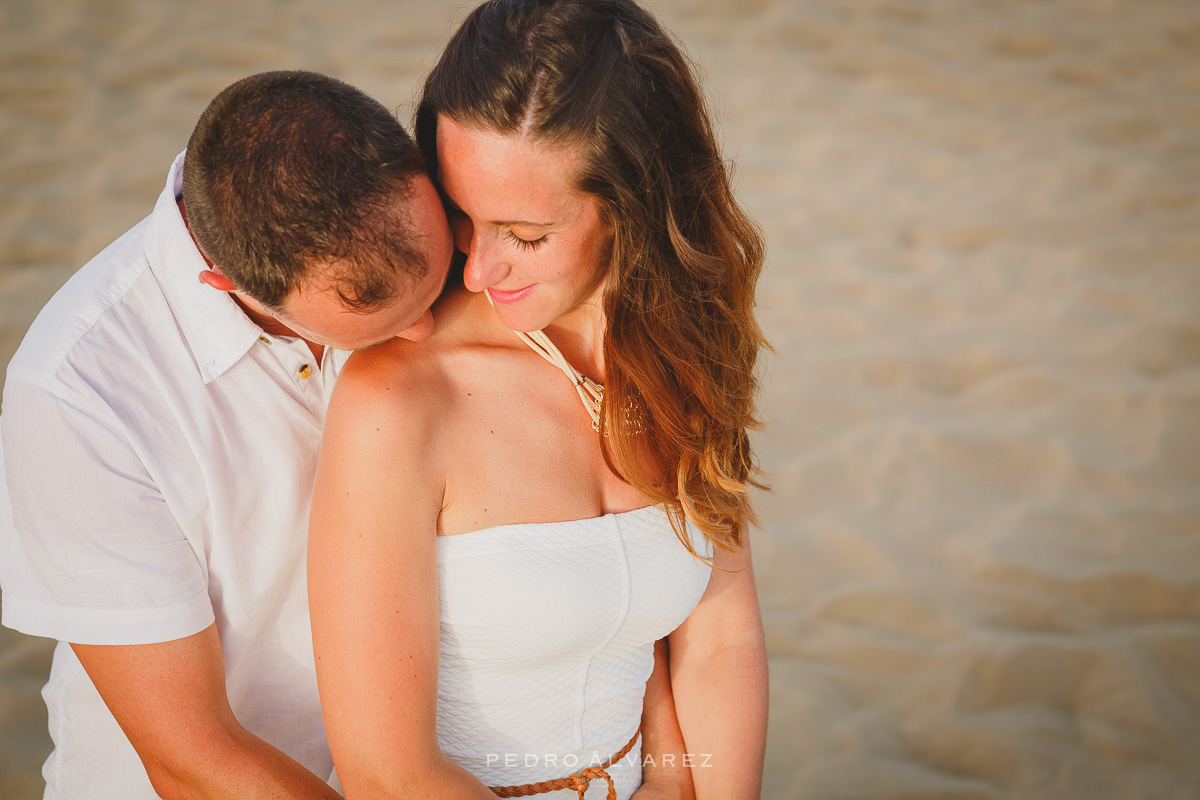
<point>579,336</point>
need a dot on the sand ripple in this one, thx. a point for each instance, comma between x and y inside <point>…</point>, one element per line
<point>981,559</point>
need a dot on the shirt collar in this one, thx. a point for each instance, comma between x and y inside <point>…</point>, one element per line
<point>217,331</point>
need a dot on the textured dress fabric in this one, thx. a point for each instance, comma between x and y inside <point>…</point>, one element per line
<point>547,641</point>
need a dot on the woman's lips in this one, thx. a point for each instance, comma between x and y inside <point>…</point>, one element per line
<point>501,296</point>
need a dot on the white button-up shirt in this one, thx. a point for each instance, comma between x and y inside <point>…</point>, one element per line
<point>159,453</point>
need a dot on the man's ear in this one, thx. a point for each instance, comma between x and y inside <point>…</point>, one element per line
<point>217,280</point>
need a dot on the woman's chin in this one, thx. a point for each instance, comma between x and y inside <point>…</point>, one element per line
<point>519,319</point>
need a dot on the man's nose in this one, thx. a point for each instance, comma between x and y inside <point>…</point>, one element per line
<point>420,330</point>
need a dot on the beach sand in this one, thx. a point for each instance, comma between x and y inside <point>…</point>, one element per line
<point>980,563</point>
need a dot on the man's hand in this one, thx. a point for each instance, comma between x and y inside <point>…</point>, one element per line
<point>169,698</point>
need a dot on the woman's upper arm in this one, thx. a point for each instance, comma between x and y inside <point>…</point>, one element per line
<point>728,613</point>
<point>372,566</point>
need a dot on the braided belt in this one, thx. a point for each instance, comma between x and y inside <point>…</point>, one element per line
<point>578,781</point>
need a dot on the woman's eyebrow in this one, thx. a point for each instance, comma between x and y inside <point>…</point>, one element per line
<point>452,208</point>
<point>524,223</point>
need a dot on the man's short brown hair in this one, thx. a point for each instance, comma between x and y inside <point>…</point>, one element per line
<point>288,172</point>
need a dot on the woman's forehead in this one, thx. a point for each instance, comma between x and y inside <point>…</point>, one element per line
<point>479,163</point>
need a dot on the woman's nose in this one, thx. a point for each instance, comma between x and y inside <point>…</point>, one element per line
<point>484,266</point>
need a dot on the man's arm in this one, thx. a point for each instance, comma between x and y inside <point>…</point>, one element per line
<point>96,556</point>
<point>169,698</point>
<point>665,770</point>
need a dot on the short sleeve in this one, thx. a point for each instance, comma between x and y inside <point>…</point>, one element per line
<point>89,550</point>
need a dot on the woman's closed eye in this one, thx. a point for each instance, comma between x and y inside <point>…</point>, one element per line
<point>525,244</point>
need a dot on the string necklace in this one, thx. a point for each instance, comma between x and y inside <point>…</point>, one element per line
<point>590,392</point>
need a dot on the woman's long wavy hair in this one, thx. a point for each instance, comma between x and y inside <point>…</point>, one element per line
<point>681,342</point>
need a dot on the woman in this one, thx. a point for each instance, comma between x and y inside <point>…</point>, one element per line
<point>481,518</point>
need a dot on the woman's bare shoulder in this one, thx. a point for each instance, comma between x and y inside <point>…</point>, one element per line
<point>415,378</point>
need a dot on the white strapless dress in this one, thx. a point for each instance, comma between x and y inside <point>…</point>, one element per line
<point>547,641</point>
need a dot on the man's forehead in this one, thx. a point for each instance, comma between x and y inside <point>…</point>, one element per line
<point>333,289</point>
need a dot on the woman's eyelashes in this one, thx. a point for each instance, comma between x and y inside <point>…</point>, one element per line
<point>457,215</point>
<point>525,244</point>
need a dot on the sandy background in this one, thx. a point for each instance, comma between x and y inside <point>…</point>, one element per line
<point>980,566</point>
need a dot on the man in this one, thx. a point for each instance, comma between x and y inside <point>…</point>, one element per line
<point>160,437</point>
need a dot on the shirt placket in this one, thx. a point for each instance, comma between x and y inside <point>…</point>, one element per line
<point>298,359</point>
